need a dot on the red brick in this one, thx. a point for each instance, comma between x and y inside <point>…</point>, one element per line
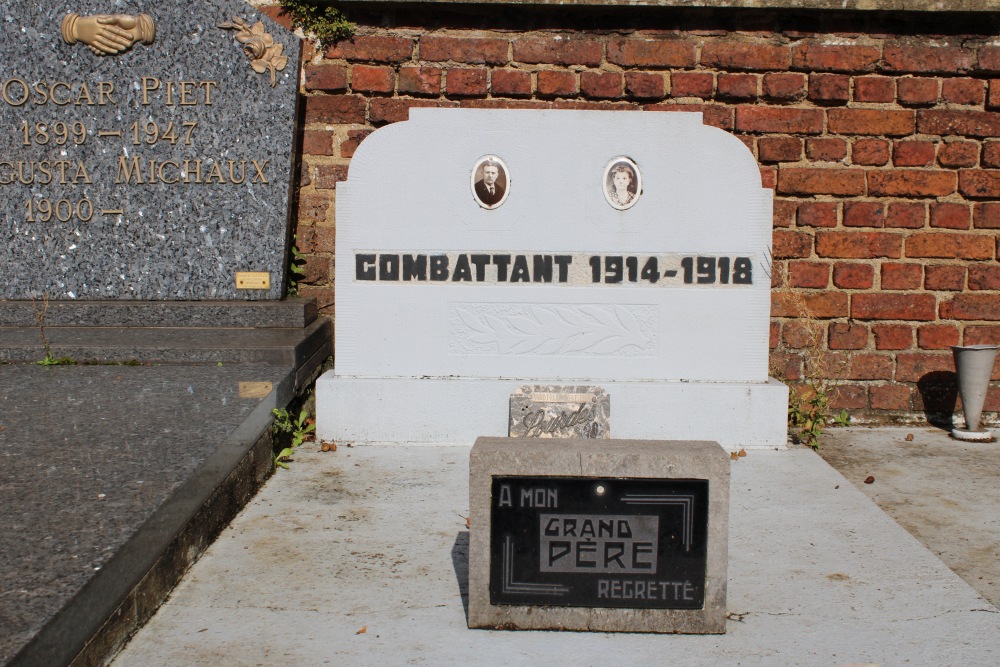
<point>816,56</point>
<point>335,109</point>
<point>814,275</point>
<point>959,154</point>
<point>329,78</point>
<point>989,58</point>
<point>826,149</point>
<point>738,86</point>
<point>845,336</point>
<point>466,82</point>
<point>692,84</point>
<point>503,103</point>
<point>812,181</point>
<point>316,270</point>
<point>328,175</point>
<point>906,215</point>
<point>601,85</point>
<point>354,139</point>
<point>911,183</point>
<point>783,213</point>
<point>917,91</point>
<point>716,115</point>
<point>471,50</point>
<point>945,245</point>
<point>962,91</point>
<point>993,98</point>
<point>972,307</point>
<point>991,154</point>
<point>944,278</point>
<point>510,82</point>
<point>768,177</point>
<point>912,367</point>
<point>893,307</point>
<point>645,85</point>
<point>324,295</point>
<point>557,83</point>
<point>745,56</point>
<point>986,215</point>
<point>316,239</point>
<point>980,183</point>
<point>902,276</point>
<point>864,214</point>
<point>558,50</point>
<point>784,86</point>
<point>313,207</point>
<point>375,48</point>
<point>874,89</point>
<point>870,152</point>
<point>893,336</point>
<point>775,334</point>
<point>871,121</point>
<point>849,397</point>
<point>425,80</point>
<point>857,366</point>
<point>960,123</point>
<point>982,335</point>
<point>317,142</point>
<point>829,88</point>
<point>305,178</point>
<point>858,245</point>
<point>818,214</point>
<point>279,15</point>
<point>372,79</point>
<point>913,153</point>
<point>779,120</point>
<point>595,105</point>
<point>984,277</point>
<point>652,53</point>
<point>788,244</point>
<point>822,305</point>
<point>950,215</point>
<point>890,397</point>
<point>786,366</point>
<point>779,149</point>
<point>848,275</point>
<point>901,57</point>
<point>394,110</point>
<point>798,335</point>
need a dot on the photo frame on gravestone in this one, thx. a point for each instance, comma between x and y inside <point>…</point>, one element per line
<point>146,154</point>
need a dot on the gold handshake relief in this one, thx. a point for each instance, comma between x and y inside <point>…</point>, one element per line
<point>108,34</point>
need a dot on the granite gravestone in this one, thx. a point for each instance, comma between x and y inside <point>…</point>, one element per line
<point>147,150</point>
<point>605,535</point>
<point>625,250</point>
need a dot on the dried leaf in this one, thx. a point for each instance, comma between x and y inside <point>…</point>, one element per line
<point>909,437</point>
<point>363,630</point>
<point>468,522</point>
<point>742,452</point>
<point>734,456</point>
<point>870,479</point>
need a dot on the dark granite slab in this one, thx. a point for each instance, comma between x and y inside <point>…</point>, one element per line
<point>157,172</point>
<point>100,469</point>
<point>168,345</point>
<point>292,312</point>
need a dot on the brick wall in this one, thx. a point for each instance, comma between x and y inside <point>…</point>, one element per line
<point>879,134</point>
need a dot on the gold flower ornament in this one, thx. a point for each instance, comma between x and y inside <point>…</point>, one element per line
<point>259,46</point>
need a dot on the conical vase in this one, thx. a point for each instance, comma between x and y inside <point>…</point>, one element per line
<point>974,365</point>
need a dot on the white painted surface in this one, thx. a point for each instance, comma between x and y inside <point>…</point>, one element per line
<point>408,193</point>
<point>374,538</point>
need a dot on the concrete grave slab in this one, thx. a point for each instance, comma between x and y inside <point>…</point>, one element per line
<point>660,294</point>
<point>143,157</point>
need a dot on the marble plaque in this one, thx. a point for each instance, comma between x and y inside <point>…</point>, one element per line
<point>560,412</point>
<point>146,149</point>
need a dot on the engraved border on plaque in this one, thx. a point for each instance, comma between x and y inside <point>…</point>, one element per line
<point>548,411</point>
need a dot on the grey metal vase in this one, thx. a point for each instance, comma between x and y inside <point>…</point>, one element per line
<point>974,365</point>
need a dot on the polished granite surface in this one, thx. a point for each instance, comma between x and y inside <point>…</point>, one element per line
<point>88,453</point>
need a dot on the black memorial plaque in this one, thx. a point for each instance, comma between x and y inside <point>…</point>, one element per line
<point>599,542</point>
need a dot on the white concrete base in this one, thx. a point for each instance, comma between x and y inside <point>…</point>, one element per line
<point>457,411</point>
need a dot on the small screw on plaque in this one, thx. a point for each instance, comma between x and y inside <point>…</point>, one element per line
<point>600,489</point>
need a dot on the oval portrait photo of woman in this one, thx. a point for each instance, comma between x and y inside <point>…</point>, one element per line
<point>622,183</point>
<point>490,182</point>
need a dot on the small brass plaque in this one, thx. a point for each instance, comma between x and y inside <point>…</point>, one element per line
<point>254,389</point>
<point>253,280</point>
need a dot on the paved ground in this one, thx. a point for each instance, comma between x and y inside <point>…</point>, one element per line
<point>359,557</point>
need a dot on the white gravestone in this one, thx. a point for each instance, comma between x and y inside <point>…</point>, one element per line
<point>451,294</point>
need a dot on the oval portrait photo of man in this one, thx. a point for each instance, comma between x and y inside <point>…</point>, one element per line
<point>622,183</point>
<point>490,182</point>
